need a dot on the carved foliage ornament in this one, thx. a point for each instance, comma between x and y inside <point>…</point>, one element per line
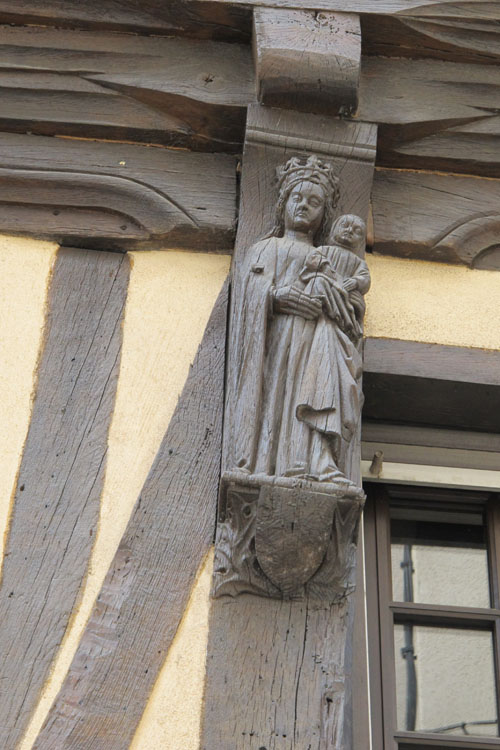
<point>289,507</point>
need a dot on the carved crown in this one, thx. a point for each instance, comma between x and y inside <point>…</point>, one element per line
<point>312,169</point>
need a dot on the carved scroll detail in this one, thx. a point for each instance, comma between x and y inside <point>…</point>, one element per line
<point>115,196</point>
<point>455,219</point>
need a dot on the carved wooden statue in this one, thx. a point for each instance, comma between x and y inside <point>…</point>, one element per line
<point>294,397</point>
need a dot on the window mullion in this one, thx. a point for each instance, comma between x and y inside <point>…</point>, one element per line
<point>383,537</point>
<point>493,525</point>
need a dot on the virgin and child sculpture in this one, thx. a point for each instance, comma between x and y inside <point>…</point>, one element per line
<point>295,373</point>
<point>290,498</point>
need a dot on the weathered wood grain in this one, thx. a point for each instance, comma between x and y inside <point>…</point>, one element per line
<point>431,438</point>
<point>231,21</point>
<point>465,40</point>
<point>208,20</point>
<point>437,361</point>
<point>476,9</point>
<point>147,587</point>
<point>276,670</point>
<point>56,505</point>
<point>116,196</point>
<point>437,217</point>
<point>171,91</point>
<point>433,115</point>
<point>220,19</point>
<point>407,382</point>
<point>307,61</point>
<point>469,148</point>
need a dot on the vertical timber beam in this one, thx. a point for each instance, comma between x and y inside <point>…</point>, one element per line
<point>280,626</point>
<point>137,613</point>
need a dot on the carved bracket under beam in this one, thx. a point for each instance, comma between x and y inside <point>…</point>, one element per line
<point>306,60</point>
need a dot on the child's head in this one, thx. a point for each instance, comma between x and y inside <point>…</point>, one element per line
<point>349,231</point>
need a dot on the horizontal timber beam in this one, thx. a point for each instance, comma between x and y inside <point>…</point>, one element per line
<point>433,115</point>
<point>206,20</point>
<point>431,384</point>
<point>187,93</point>
<point>436,361</point>
<point>431,438</point>
<point>115,196</point>
<point>120,196</point>
<point>443,38</point>
<point>437,217</point>
<point>476,9</point>
<point>424,455</point>
<point>176,92</point>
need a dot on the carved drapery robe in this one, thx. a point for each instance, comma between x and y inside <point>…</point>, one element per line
<point>294,392</point>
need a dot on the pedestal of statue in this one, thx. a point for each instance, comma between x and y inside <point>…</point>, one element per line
<point>286,537</point>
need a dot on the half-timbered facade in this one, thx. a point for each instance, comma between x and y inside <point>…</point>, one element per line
<point>176,391</point>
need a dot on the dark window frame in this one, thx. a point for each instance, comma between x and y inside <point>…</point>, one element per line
<point>382,612</point>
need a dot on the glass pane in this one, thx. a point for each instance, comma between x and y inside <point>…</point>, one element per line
<point>439,557</point>
<point>445,680</point>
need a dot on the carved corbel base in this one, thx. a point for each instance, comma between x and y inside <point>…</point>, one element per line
<point>286,538</point>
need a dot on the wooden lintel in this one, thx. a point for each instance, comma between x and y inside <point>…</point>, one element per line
<point>436,361</point>
<point>430,438</point>
<point>307,61</point>
<point>115,196</point>
<point>176,92</point>
<point>431,384</point>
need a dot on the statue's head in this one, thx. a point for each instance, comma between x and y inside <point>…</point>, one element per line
<point>308,194</point>
<point>349,231</point>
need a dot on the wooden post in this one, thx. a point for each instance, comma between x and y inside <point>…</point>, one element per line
<point>278,656</point>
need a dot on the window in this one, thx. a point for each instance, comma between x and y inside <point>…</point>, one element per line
<point>433,612</point>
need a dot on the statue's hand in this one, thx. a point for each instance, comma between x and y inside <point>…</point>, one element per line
<point>292,301</point>
<point>350,285</point>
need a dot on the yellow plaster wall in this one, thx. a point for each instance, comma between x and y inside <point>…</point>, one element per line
<point>25,270</point>
<point>172,719</point>
<point>437,303</point>
<point>170,298</point>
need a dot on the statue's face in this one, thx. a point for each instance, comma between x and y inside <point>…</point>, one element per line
<point>305,207</point>
<point>349,231</point>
